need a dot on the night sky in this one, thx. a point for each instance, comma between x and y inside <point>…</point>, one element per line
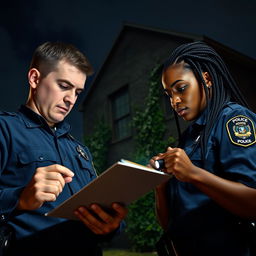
<point>94,25</point>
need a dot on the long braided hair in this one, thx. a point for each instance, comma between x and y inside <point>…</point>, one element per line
<point>201,58</point>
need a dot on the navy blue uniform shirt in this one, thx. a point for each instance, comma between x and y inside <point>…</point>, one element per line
<point>26,143</point>
<point>231,154</point>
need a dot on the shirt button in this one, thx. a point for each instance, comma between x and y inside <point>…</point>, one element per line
<point>2,217</point>
<point>41,158</point>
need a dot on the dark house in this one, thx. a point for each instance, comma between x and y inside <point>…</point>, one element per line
<point>122,82</point>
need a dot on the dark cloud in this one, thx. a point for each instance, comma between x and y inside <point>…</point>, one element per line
<point>93,26</point>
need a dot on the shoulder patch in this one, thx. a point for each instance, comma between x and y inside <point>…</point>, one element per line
<point>241,130</point>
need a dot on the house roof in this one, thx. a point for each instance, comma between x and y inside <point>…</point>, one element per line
<point>131,27</point>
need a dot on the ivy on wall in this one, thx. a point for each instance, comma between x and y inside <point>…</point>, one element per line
<point>149,122</point>
<point>98,144</point>
<point>142,227</point>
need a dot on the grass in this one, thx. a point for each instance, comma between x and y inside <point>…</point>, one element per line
<point>127,253</point>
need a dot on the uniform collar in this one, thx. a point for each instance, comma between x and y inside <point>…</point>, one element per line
<point>201,120</point>
<point>33,120</point>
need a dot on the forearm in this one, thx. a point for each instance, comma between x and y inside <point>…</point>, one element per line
<point>162,209</point>
<point>233,196</point>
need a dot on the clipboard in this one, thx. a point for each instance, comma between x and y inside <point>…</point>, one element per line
<point>123,182</point>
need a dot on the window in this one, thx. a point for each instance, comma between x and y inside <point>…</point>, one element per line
<point>121,114</point>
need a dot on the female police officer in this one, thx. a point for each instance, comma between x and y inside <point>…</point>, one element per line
<point>214,166</point>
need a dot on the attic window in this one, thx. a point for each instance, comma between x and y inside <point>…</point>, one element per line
<point>121,114</point>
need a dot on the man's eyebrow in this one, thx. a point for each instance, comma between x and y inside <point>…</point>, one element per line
<point>66,81</point>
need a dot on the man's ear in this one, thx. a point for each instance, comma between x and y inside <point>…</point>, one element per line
<point>207,79</point>
<point>33,77</point>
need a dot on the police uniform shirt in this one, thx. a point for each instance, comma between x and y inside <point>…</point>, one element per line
<point>230,154</point>
<point>26,143</point>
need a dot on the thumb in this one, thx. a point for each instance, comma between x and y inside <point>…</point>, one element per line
<point>67,179</point>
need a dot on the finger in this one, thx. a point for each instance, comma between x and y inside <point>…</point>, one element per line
<point>52,189</point>
<point>93,228</point>
<point>111,220</point>
<point>55,176</point>
<point>90,220</point>
<point>55,183</point>
<point>152,163</point>
<point>103,215</point>
<point>67,179</point>
<point>158,157</point>
<point>121,211</point>
<point>170,161</point>
<point>60,169</point>
<point>45,197</point>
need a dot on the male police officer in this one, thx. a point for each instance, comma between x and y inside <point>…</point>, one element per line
<point>41,164</point>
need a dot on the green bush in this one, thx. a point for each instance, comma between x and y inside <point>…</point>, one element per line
<point>98,144</point>
<point>143,229</point>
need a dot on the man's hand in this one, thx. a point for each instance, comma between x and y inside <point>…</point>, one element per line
<point>99,221</point>
<point>45,186</point>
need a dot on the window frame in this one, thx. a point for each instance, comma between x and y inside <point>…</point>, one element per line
<point>116,120</point>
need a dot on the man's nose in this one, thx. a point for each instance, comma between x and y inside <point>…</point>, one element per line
<point>70,97</point>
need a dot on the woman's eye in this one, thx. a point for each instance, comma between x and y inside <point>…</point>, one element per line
<point>182,88</point>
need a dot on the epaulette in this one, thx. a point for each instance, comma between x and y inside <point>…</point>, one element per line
<point>6,113</point>
<point>71,137</point>
<point>74,139</point>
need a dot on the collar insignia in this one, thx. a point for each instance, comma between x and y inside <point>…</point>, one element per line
<point>241,131</point>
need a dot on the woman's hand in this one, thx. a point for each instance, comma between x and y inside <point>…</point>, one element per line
<point>177,163</point>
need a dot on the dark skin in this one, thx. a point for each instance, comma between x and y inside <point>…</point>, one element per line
<point>185,93</point>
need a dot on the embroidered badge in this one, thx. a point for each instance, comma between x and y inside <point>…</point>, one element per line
<point>241,131</point>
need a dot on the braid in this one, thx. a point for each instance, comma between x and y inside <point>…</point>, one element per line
<point>200,57</point>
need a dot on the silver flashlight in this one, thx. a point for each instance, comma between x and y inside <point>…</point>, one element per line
<point>159,164</point>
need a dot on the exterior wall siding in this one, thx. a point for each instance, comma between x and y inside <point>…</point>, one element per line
<point>130,62</point>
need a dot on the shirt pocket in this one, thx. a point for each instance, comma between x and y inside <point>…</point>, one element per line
<point>29,160</point>
<point>196,158</point>
<point>36,157</point>
<point>210,160</point>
